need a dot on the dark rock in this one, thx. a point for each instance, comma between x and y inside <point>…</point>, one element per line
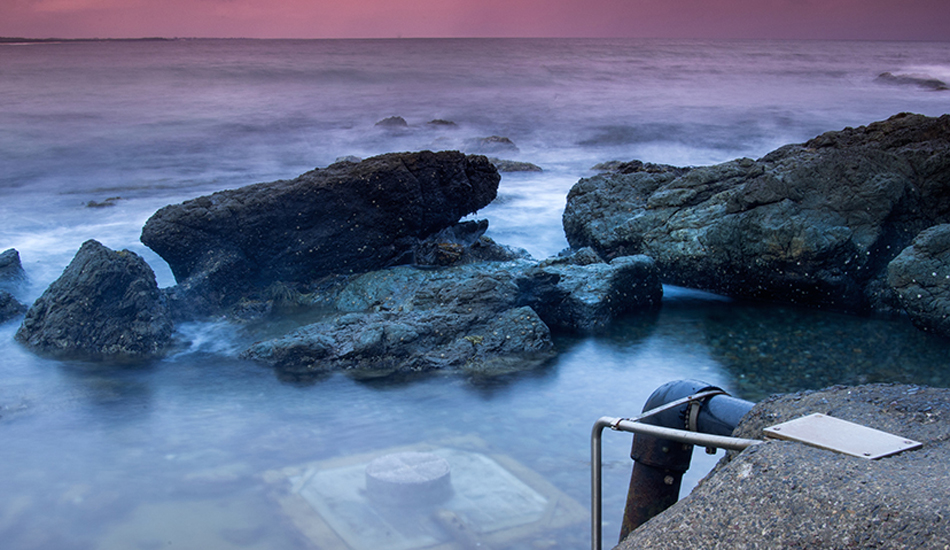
<point>461,244</point>
<point>587,296</point>
<point>407,320</point>
<point>393,122</point>
<point>438,122</point>
<point>478,318</point>
<point>923,81</point>
<point>491,144</point>
<point>513,165</point>
<point>920,275</point>
<point>815,223</point>
<point>11,270</point>
<point>347,218</point>
<point>790,495</point>
<point>105,305</point>
<point>9,306</point>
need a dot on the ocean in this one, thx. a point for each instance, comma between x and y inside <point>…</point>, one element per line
<point>177,452</point>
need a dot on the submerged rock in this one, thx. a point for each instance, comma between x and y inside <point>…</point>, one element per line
<point>920,275</point>
<point>923,81</point>
<point>105,305</point>
<point>513,165</point>
<point>347,218</point>
<point>815,223</point>
<point>790,495</point>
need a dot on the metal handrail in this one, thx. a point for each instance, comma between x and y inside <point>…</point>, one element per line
<point>633,425</point>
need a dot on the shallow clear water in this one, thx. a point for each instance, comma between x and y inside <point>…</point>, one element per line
<point>174,451</point>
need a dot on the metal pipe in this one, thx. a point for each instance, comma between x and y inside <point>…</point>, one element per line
<point>727,412</point>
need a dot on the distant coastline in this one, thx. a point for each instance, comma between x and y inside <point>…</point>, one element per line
<point>16,40</point>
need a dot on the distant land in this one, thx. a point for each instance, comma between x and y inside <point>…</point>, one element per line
<point>15,40</point>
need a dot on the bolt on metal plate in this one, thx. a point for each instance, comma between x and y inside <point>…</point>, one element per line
<point>834,434</point>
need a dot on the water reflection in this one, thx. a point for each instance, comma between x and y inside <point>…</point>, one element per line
<point>770,349</point>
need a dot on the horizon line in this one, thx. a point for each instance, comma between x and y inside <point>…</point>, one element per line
<point>27,40</point>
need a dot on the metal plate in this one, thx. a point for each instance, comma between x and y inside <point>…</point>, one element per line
<point>834,434</point>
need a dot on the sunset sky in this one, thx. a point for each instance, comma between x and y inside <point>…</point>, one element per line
<point>836,19</point>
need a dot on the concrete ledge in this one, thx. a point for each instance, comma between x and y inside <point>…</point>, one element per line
<point>789,495</point>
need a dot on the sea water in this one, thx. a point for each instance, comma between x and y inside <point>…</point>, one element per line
<point>173,452</point>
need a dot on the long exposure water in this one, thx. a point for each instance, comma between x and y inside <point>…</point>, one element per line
<point>174,453</point>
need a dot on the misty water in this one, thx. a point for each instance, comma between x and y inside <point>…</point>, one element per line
<point>176,452</point>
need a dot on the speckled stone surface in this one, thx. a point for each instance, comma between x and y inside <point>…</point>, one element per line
<point>789,495</point>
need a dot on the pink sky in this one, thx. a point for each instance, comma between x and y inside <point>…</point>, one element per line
<point>836,19</point>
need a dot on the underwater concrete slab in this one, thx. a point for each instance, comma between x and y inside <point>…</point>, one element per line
<point>494,502</point>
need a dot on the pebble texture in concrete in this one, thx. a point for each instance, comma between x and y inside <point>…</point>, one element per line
<point>789,495</point>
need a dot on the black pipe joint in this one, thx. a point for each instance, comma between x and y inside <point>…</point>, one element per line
<point>660,463</point>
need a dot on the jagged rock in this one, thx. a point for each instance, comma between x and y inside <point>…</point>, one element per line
<point>105,305</point>
<point>815,223</point>
<point>11,270</point>
<point>785,494</point>
<point>920,275</point>
<point>440,123</point>
<point>347,218</point>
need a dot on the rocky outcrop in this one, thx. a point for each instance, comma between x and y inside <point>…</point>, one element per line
<point>105,305</point>
<point>920,275</point>
<point>815,223</point>
<point>347,218</point>
<point>11,278</point>
<point>583,294</point>
<point>790,495</point>
<point>11,270</point>
<point>482,318</point>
